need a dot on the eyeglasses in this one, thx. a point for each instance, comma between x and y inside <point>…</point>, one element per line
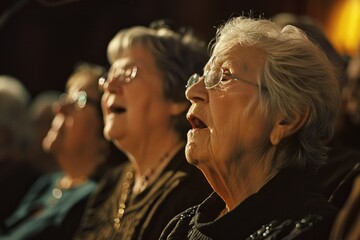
<point>119,74</point>
<point>78,99</point>
<point>213,77</point>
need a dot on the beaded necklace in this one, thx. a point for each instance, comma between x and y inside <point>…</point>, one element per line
<point>127,186</point>
<point>125,192</point>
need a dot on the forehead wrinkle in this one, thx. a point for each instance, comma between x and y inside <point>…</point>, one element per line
<point>246,60</point>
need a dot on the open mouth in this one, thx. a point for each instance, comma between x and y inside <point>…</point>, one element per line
<point>117,110</point>
<point>196,122</point>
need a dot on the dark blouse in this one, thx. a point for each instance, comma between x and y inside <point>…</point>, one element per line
<point>178,187</point>
<point>285,208</point>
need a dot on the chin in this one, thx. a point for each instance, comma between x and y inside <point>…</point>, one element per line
<point>106,135</point>
<point>110,136</point>
<point>193,162</point>
<point>189,154</point>
<point>110,132</point>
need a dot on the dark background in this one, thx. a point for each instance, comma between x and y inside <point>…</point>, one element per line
<point>42,40</point>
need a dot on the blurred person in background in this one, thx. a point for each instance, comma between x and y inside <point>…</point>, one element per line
<point>347,225</point>
<point>16,174</point>
<point>144,107</point>
<point>351,96</point>
<point>335,178</point>
<point>53,207</point>
<point>41,115</point>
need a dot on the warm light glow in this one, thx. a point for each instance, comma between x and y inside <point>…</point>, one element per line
<point>344,26</point>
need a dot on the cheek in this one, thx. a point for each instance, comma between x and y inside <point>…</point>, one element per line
<point>237,129</point>
<point>83,130</point>
<point>224,140</point>
<point>226,124</point>
<point>151,107</point>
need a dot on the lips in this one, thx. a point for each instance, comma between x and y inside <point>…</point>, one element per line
<point>116,109</point>
<point>112,105</point>
<point>196,122</point>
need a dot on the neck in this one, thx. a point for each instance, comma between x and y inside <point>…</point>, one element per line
<point>67,182</point>
<point>78,165</point>
<point>147,153</point>
<point>237,183</point>
<point>148,168</point>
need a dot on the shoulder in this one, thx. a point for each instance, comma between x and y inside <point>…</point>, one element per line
<point>112,177</point>
<point>106,186</point>
<point>310,227</point>
<point>45,181</point>
<point>180,225</point>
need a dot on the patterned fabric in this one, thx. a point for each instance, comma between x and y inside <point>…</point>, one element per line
<point>178,187</point>
<point>284,208</point>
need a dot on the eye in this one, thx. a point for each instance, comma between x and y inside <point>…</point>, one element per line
<point>226,75</point>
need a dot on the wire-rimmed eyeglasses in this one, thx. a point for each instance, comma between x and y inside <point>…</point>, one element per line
<point>121,75</point>
<point>214,76</point>
<point>79,99</point>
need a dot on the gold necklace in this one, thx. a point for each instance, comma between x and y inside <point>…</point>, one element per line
<point>145,179</point>
<point>125,192</point>
<point>127,186</point>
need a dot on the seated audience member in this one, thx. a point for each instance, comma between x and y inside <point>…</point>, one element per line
<point>16,174</point>
<point>41,115</point>
<point>343,154</point>
<point>351,96</point>
<point>144,108</point>
<point>53,206</point>
<point>337,177</point>
<point>347,224</point>
<point>262,114</point>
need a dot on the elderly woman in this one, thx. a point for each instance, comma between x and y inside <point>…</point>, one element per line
<point>53,206</point>
<point>144,108</point>
<point>262,115</point>
<point>15,144</point>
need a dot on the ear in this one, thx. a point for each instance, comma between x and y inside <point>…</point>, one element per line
<point>176,108</point>
<point>284,127</point>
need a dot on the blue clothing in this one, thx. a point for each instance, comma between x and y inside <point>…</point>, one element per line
<point>47,212</point>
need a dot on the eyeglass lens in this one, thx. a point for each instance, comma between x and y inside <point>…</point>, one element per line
<point>77,98</point>
<point>120,74</point>
<point>211,78</point>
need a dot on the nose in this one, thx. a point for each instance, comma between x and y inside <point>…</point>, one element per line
<point>112,85</point>
<point>63,108</point>
<point>197,92</point>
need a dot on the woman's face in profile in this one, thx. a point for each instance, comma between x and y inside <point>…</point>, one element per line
<point>75,128</point>
<point>232,125</point>
<point>134,110</point>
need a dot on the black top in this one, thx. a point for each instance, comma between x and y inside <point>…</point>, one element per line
<point>179,186</point>
<point>285,208</point>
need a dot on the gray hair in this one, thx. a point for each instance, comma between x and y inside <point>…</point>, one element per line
<point>296,76</point>
<point>176,55</point>
<point>14,101</point>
